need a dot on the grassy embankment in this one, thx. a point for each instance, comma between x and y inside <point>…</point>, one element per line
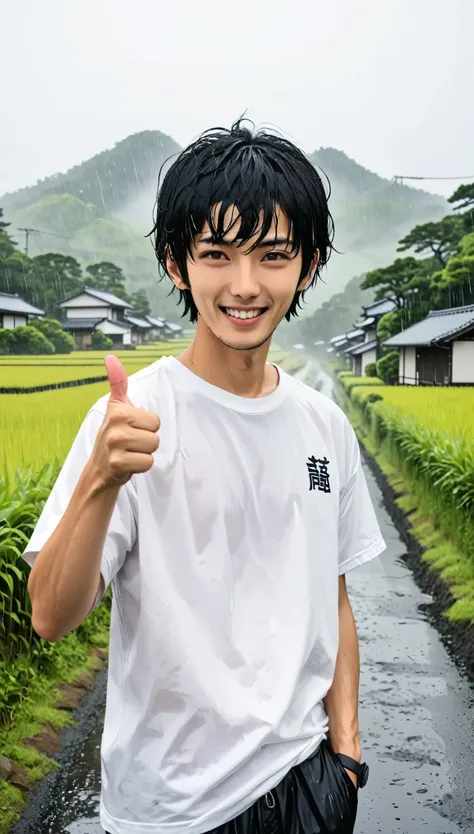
<point>423,440</point>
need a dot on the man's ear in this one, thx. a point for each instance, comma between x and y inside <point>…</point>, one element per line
<point>306,281</point>
<point>173,271</point>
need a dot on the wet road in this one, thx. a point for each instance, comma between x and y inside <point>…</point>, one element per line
<point>416,716</point>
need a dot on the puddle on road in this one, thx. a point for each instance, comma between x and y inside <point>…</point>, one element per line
<point>68,800</point>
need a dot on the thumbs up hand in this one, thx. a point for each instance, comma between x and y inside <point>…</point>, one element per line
<point>128,436</point>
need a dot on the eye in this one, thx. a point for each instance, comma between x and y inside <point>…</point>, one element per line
<point>213,255</point>
<point>275,256</point>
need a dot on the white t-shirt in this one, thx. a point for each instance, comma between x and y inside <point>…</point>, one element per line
<point>224,561</point>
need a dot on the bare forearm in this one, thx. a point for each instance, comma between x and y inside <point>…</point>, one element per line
<point>65,578</point>
<point>342,700</point>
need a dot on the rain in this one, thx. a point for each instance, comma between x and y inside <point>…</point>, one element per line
<point>98,101</point>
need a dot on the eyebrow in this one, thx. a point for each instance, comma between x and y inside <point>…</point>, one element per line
<point>276,241</point>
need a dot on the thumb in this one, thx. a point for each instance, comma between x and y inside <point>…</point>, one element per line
<point>118,379</point>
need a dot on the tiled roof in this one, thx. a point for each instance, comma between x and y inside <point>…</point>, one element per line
<point>80,324</point>
<point>102,295</point>
<point>155,322</point>
<point>337,338</point>
<point>10,303</point>
<point>365,322</point>
<point>137,321</point>
<point>379,308</point>
<point>438,326</point>
<point>354,334</point>
<point>363,348</point>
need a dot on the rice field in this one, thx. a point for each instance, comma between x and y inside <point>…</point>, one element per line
<point>449,411</point>
<point>35,427</point>
<point>428,434</point>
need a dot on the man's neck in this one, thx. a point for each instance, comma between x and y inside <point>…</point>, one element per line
<point>245,373</point>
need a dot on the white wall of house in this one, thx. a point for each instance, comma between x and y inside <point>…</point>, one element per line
<point>83,300</point>
<point>110,328</point>
<point>407,366</point>
<point>85,306</point>
<point>10,321</point>
<point>370,334</point>
<point>463,362</point>
<point>367,357</point>
<point>91,312</point>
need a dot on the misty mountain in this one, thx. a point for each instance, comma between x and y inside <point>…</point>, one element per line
<point>109,179</point>
<point>102,210</point>
<point>371,215</point>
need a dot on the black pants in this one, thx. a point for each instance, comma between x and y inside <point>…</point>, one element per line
<point>315,797</point>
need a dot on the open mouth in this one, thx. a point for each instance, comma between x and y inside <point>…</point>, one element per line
<point>241,317</point>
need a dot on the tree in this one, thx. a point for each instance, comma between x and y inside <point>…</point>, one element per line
<point>337,315</point>
<point>441,238</point>
<point>14,270</point>
<point>140,302</point>
<point>51,278</point>
<point>464,195</point>
<point>389,325</point>
<point>4,226</point>
<point>108,277</point>
<point>397,281</point>
<point>387,367</point>
<point>100,341</point>
<point>28,340</point>
<point>51,328</point>
<point>5,341</point>
<point>371,369</point>
<point>13,264</point>
<point>454,285</point>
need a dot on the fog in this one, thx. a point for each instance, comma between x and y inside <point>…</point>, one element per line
<point>388,83</point>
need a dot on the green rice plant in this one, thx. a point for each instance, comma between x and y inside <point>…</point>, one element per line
<point>446,410</point>
<point>428,435</point>
<point>32,376</point>
<point>23,654</point>
<point>34,428</point>
<point>350,382</point>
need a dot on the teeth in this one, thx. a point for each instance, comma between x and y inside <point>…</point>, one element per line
<point>242,314</point>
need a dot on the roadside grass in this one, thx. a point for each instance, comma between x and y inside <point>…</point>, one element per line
<point>72,660</point>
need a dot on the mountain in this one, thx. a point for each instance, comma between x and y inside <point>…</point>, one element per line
<point>102,210</point>
<point>371,215</point>
<point>108,180</point>
<point>83,212</point>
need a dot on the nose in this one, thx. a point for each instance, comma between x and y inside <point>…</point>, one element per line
<point>244,283</point>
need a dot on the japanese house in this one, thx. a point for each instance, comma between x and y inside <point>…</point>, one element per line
<point>91,309</point>
<point>16,312</point>
<point>438,350</point>
<point>368,350</point>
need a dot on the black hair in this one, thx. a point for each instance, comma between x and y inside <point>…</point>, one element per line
<point>256,171</point>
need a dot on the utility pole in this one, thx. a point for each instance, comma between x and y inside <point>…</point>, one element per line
<point>27,232</point>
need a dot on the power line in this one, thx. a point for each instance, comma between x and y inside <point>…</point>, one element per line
<point>29,231</point>
<point>398,178</point>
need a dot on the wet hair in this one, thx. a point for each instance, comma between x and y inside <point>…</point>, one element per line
<point>255,171</point>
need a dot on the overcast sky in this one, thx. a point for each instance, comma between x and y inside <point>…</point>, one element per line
<point>390,82</point>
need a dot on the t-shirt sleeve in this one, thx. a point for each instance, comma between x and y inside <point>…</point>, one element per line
<point>360,539</point>
<point>121,533</point>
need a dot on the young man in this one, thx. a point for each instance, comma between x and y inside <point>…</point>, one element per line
<point>225,502</point>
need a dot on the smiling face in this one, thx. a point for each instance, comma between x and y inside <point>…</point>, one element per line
<point>242,293</point>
